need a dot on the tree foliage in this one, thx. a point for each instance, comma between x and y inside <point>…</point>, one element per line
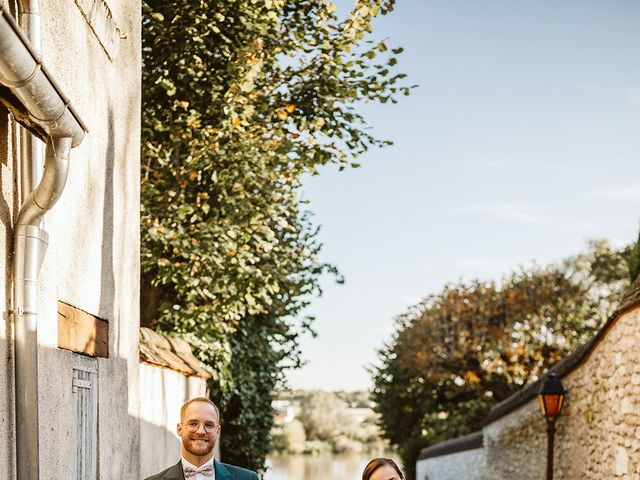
<point>633,260</point>
<point>240,99</point>
<point>336,422</point>
<point>459,351</point>
<point>324,416</point>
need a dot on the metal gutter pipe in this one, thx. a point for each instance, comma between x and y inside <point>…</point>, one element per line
<point>29,19</point>
<point>50,188</point>
<point>50,111</point>
<point>30,145</point>
<point>21,70</point>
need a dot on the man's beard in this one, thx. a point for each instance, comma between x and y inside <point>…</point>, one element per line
<point>199,451</point>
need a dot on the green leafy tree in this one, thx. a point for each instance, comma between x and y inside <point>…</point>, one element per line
<point>335,422</point>
<point>290,438</point>
<point>325,417</point>
<point>402,399</point>
<point>603,271</point>
<point>240,99</point>
<point>633,260</point>
<point>460,351</point>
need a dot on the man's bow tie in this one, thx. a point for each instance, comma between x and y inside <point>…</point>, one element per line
<point>205,471</point>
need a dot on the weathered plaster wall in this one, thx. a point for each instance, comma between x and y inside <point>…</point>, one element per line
<point>93,257</point>
<point>468,465</point>
<point>599,431</point>
<point>7,427</point>
<point>7,198</point>
<point>162,393</point>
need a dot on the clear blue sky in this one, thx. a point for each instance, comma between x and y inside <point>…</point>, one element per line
<point>522,142</point>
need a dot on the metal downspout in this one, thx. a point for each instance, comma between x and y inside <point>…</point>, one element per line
<point>30,246</point>
<point>29,21</point>
<point>30,146</point>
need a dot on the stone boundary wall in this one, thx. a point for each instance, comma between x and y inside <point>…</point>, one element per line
<point>468,465</point>
<point>516,445</point>
<point>461,457</point>
<point>598,434</point>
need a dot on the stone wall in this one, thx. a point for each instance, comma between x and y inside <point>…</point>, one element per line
<point>92,261</point>
<point>516,445</point>
<point>468,465</point>
<point>598,433</point>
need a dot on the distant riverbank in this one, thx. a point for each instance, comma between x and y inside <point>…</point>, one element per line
<point>346,466</point>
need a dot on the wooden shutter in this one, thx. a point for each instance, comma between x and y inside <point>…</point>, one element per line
<point>85,418</point>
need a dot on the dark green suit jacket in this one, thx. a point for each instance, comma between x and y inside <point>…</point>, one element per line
<point>223,471</point>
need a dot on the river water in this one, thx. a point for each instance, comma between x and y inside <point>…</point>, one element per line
<point>317,467</point>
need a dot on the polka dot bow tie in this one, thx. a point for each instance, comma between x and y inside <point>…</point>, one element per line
<point>205,471</point>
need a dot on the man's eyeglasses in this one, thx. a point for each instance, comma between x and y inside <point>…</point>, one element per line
<point>193,426</point>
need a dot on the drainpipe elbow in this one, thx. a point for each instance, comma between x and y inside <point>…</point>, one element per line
<point>54,178</point>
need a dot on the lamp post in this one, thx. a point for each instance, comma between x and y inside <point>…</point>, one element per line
<point>551,397</point>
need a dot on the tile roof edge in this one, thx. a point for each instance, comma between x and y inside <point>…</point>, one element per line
<point>161,352</point>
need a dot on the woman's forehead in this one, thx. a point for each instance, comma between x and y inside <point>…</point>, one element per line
<point>386,472</point>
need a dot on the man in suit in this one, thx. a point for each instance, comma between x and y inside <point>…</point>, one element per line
<point>198,430</point>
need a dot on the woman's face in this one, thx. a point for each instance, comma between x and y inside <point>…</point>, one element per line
<point>385,472</point>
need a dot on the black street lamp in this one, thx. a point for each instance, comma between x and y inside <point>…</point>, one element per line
<point>551,397</point>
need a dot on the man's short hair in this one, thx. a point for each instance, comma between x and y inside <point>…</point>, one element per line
<point>198,399</point>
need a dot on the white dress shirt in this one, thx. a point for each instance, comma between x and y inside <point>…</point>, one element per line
<point>186,463</point>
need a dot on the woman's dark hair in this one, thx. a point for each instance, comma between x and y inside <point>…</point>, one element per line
<point>377,463</point>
